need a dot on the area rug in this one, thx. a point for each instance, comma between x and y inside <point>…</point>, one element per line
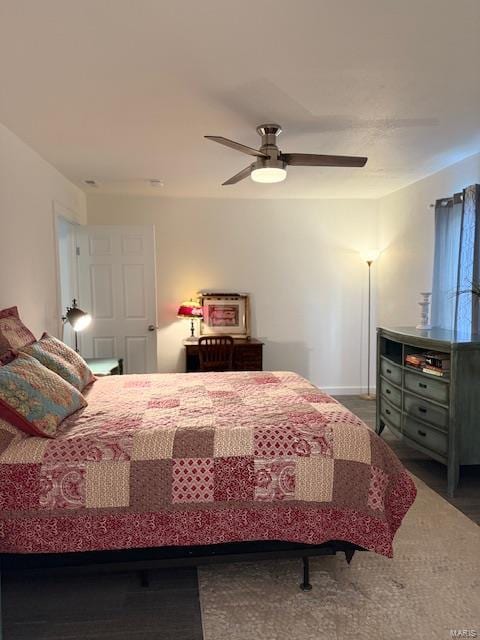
<point>431,589</point>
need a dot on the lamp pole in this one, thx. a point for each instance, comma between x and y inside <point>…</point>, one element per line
<point>369,262</point>
<point>369,257</point>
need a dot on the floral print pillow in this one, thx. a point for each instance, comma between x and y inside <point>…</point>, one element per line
<point>35,399</point>
<point>13,333</point>
<point>58,357</point>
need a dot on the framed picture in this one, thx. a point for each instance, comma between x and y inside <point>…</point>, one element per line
<point>225,313</point>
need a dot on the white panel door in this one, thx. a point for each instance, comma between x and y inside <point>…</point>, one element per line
<point>117,285</point>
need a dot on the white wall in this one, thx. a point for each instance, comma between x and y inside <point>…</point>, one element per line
<point>297,258</point>
<point>28,188</point>
<point>406,235</point>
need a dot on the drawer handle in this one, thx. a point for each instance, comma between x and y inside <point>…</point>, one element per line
<point>389,371</point>
<point>388,412</point>
<point>387,391</point>
<point>422,385</point>
<point>422,433</point>
<point>422,410</point>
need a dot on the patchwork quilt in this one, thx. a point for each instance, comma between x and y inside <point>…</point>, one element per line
<point>201,458</point>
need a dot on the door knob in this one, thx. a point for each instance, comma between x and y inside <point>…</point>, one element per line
<point>152,327</point>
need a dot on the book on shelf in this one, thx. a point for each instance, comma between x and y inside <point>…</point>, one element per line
<point>434,371</point>
<point>438,360</point>
<point>415,360</point>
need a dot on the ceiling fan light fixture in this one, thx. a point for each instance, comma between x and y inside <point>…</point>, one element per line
<point>270,164</point>
<point>268,174</point>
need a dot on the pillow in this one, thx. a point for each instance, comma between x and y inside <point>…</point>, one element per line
<point>9,435</point>
<point>35,399</point>
<point>8,356</point>
<point>13,333</point>
<point>58,357</point>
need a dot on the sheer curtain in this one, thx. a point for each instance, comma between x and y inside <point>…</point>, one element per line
<point>457,262</point>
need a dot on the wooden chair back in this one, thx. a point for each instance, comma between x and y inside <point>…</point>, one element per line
<point>215,353</point>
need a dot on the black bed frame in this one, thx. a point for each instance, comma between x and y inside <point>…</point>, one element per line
<point>143,560</point>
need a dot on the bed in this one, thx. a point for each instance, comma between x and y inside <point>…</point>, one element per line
<point>201,461</point>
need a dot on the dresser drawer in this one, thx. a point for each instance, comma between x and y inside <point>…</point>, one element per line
<point>432,389</point>
<point>418,408</point>
<point>391,371</point>
<point>427,437</point>
<point>391,393</point>
<point>390,415</point>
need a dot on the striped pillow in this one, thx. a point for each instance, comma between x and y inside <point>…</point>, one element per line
<point>58,357</point>
<point>35,399</point>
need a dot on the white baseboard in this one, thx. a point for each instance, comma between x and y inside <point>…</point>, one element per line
<point>346,391</point>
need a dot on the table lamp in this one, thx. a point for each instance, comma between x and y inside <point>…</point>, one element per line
<point>190,309</point>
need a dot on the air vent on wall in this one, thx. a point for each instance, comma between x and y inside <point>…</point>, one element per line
<point>91,183</point>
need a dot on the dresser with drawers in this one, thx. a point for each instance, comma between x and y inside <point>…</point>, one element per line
<point>439,416</point>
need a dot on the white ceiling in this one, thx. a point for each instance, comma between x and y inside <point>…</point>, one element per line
<point>124,90</point>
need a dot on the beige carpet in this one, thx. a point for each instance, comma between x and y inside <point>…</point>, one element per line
<point>430,587</point>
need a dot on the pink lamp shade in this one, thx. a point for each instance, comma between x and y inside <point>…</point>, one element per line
<point>190,309</point>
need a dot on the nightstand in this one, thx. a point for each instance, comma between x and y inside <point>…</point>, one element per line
<point>105,366</point>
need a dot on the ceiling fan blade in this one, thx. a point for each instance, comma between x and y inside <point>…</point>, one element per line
<point>244,173</point>
<point>315,160</point>
<point>237,146</point>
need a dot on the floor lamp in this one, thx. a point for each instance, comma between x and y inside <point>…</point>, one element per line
<point>369,257</point>
<point>78,319</point>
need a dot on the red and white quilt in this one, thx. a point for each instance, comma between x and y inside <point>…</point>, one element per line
<point>194,459</point>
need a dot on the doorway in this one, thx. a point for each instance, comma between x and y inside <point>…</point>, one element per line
<point>67,272</point>
<point>111,271</point>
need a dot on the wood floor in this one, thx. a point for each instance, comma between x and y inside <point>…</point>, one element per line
<point>117,607</point>
<point>434,474</point>
<point>103,607</point>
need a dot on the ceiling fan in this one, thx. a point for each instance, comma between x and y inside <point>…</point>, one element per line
<point>270,164</point>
